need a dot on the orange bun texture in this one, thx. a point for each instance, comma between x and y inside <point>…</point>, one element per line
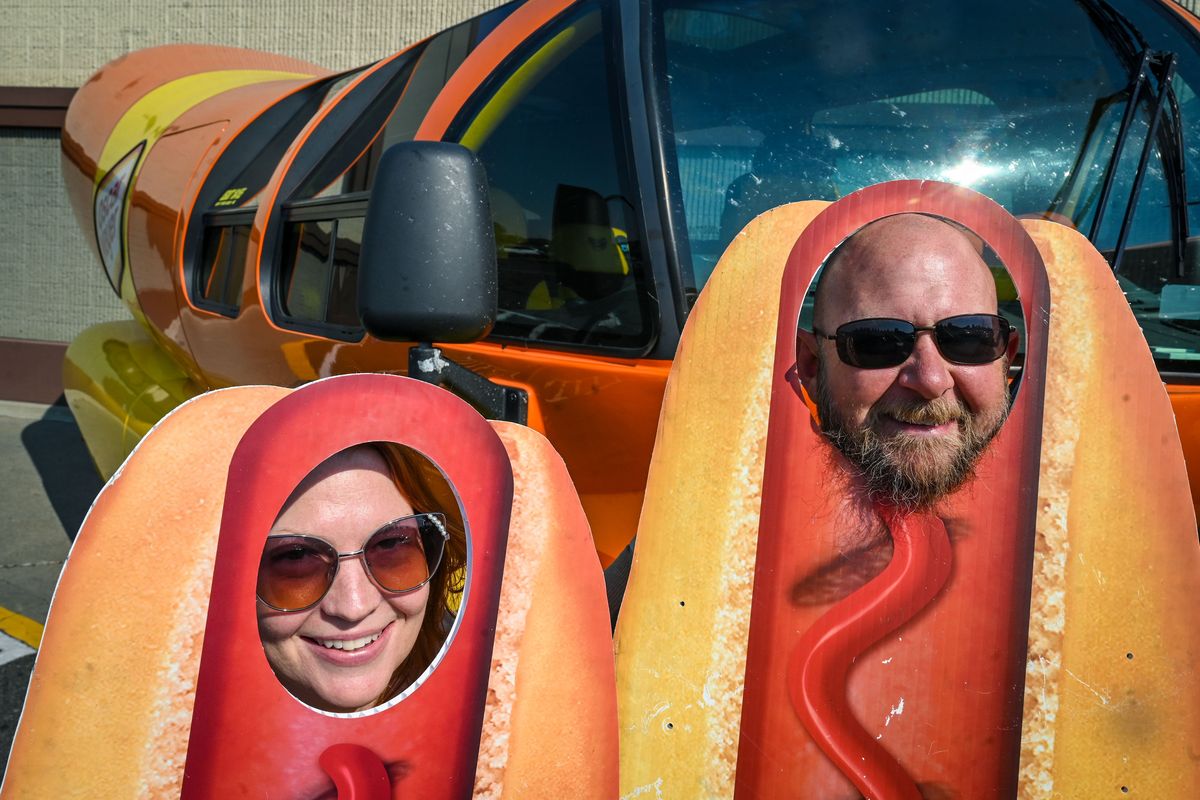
<point>551,722</point>
<point>109,706</point>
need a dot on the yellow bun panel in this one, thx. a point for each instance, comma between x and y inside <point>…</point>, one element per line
<point>681,637</point>
<point>1112,703</point>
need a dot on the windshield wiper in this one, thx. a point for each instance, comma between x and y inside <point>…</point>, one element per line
<point>1165,63</point>
<point>1132,47</point>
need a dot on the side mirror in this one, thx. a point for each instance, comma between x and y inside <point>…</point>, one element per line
<point>427,270</point>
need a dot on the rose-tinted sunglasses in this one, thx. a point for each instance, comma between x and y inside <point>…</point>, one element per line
<point>296,571</point>
<point>882,342</point>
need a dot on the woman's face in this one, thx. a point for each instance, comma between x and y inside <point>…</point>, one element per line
<point>340,654</point>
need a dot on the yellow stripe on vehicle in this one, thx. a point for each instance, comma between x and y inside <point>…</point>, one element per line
<point>527,76</point>
<point>20,627</point>
<point>150,116</point>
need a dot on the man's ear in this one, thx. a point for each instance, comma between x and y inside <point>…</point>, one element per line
<point>1014,341</point>
<point>807,360</point>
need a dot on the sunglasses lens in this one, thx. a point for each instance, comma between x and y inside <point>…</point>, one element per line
<point>875,343</point>
<point>972,338</point>
<point>404,554</point>
<point>295,571</point>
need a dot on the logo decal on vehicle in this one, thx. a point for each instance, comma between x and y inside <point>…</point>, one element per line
<point>108,213</point>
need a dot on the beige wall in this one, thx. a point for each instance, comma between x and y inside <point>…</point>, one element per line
<point>61,42</point>
<point>51,287</point>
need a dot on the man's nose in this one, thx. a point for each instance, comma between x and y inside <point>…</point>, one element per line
<point>353,596</point>
<point>926,371</point>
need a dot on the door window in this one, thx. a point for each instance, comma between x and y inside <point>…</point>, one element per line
<point>327,190</point>
<point>569,247</point>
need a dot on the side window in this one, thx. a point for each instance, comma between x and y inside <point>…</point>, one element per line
<point>315,273</point>
<point>217,242</point>
<point>222,263</point>
<point>324,258</point>
<point>322,217</point>
<point>569,247</point>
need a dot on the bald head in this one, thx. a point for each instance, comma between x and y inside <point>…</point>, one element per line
<point>897,252</point>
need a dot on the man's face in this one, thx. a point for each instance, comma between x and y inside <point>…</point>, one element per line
<point>914,430</point>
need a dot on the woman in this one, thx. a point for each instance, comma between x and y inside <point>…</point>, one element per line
<point>359,576</point>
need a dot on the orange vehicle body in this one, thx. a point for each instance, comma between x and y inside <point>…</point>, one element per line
<point>184,105</point>
<point>612,412</point>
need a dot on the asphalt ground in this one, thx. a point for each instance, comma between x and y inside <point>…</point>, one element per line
<point>47,484</point>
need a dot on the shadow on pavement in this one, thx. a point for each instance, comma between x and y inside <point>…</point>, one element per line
<point>14,678</point>
<point>71,483</point>
<point>64,466</point>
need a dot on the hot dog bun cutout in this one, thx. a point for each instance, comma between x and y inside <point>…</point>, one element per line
<point>110,699</point>
<point>682,631</point>
<point>247,731</point>
<point>570,741</point>
<point>550,728</point>
<point>934,667</point>
<point>681,704</point>
<point>1112,700</point>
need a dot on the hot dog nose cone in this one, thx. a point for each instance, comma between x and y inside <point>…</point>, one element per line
<point>357,773</point>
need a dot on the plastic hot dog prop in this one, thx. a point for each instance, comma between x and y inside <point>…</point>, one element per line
<point>935,706</point>
<point>1112,700</point>
<point>501,713</point>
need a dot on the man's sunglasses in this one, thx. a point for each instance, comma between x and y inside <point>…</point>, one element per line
<point>879,343</point>
<point>297,571</point>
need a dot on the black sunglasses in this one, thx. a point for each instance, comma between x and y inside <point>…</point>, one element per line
<point>882,342</point>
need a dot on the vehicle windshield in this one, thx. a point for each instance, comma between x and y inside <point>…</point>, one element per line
<point>768,102</point>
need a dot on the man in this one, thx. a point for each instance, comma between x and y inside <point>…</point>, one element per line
<point>907,361</point>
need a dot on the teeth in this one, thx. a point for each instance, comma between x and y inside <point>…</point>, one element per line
<point>348,644</point>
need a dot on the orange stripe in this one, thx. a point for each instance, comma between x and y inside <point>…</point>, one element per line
<point>484,60</point>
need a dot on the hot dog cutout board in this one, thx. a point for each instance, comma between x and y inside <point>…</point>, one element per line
<point>152,682</point>
<point>1035,637</point>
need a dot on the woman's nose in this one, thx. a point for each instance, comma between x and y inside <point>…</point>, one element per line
<point>926,371</point>
<point>353,596</point>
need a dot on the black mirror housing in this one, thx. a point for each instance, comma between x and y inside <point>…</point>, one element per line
<point>427,270</point>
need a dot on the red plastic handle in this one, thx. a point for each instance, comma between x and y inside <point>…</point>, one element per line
<point>357,773</point>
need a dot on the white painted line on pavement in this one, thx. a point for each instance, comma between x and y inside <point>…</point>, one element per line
<point>11,649</point>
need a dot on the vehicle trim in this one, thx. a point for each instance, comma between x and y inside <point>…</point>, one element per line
<point>490,54</point>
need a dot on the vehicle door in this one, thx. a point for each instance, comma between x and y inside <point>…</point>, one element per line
<point>544,105</point>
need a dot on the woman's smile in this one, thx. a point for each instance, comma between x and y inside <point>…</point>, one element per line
<point>348,645</point>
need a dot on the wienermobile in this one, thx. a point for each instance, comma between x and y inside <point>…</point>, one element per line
<point>1050,652</point>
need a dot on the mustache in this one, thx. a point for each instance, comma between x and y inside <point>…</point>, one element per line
<point>939,411</point>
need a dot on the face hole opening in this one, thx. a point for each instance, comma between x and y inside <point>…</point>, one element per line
<point>913,409</point>
<point>362,578</point>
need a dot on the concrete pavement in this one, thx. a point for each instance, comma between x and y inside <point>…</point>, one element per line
<point>47,484</point>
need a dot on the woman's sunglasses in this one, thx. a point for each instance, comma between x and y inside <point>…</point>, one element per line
<point>297,571</point>
<point>879,343</point>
